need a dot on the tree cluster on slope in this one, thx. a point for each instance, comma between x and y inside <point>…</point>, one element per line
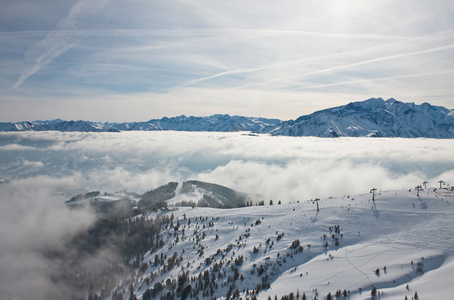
<point>156,199</point>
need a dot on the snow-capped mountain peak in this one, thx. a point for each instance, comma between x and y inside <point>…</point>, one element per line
<point>374,117</point>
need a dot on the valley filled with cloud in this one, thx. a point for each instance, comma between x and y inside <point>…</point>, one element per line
<point>283,168</point>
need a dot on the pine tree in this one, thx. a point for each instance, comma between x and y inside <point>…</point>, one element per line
<point>132,296</point>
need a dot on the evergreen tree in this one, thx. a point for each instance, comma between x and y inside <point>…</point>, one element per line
<point>132,296</point>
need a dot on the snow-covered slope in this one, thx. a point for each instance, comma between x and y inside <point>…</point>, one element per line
<point>400,244</point>
<point>374,117</point>
<point>203,194</point>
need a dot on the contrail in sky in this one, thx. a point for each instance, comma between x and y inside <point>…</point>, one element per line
<point>364,62</point>
<point>373,79</point>
<point>58,41</point>
<point>248,70</point>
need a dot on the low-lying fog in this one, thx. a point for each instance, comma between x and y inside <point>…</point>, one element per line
<point>284,168</point>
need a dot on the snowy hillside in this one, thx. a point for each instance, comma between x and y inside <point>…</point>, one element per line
<point>376,118</point>
<point>400,244</point>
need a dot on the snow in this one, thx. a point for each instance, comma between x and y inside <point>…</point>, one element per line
<point>192,197</point>
<point>414,242</point>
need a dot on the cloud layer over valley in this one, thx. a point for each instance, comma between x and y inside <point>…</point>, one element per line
<point>277,167</point>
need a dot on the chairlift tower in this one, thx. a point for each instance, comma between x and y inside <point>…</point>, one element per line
<point>425,184</point>
<point>418,188</point>
<point>373,193</point>
<point>316,200</point>
<point>441,182</point>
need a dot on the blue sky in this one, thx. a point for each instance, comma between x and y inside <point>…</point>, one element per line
<point>110,60</point>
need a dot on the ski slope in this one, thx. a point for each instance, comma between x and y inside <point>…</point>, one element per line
<point>411,236</point>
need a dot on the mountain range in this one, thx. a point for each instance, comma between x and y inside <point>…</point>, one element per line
<point>374,117</point>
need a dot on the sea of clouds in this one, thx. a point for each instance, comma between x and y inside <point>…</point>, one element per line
<point>284,168</point>
<point>43,169</point>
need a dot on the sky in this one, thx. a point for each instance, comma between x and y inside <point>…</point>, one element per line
<point>110,60</point>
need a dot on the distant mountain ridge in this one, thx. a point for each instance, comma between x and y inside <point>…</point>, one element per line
<point>218,123</point>
<point>374,117</point>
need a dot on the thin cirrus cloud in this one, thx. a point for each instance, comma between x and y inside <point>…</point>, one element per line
<point>226,57</point>
<point>401,42</point>
<point>332,69</point>
<point>56,42</point>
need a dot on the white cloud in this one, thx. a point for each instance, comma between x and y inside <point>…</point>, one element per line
<point>33,220</point>
<point>278,167</point>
